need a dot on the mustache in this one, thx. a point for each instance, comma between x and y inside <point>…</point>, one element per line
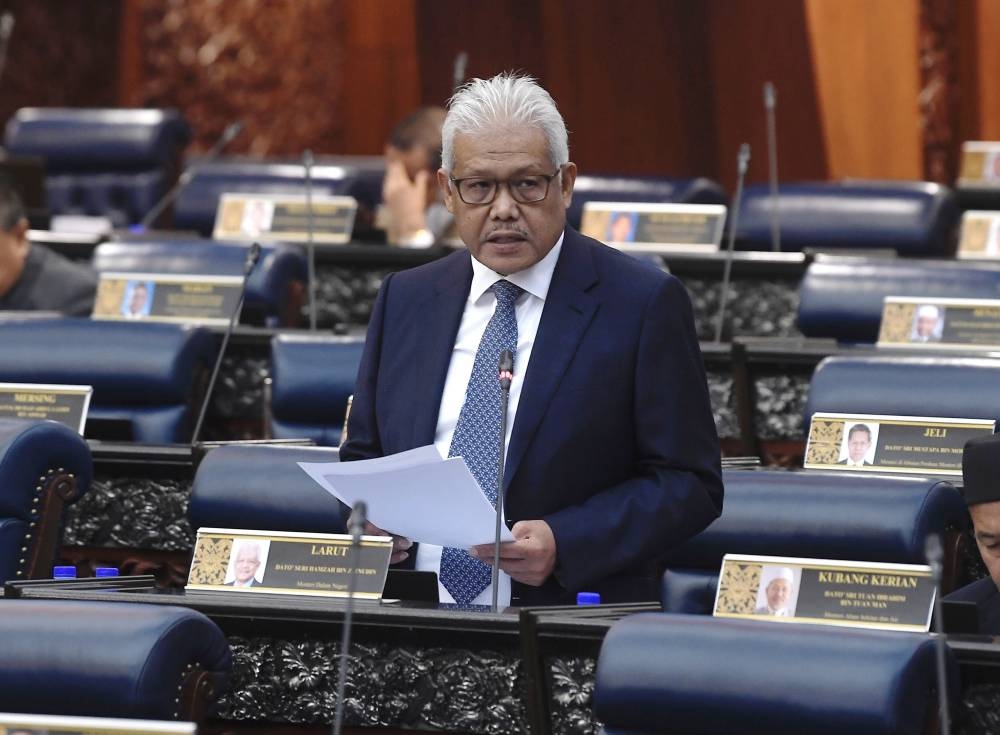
<point>507,230</point>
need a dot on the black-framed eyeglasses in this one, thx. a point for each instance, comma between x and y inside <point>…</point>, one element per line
<point>524,189</point>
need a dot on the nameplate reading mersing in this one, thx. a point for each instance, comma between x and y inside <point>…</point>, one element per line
<point>285,218</point>
<point>67,404</point>
<point>940,324</point>
<point>655,227</point>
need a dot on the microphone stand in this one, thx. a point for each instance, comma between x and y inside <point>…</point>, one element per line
<point>253,255</point>
<point>506,372</point>
<point>357,526</point>
<point>770,98</point>
<point>935,558</point>
<point>742,161</point>
<point>6,31</point>
<point>307,162</point>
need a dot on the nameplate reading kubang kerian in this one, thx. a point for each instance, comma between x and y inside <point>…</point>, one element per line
<point>899,444</point>
<point>285,218</point>
<point>940,324</point>
<point>319,564</point>
<point>67,404</point>
<point>158,297</point>
<point>655,227</point>
<point>831,592</point>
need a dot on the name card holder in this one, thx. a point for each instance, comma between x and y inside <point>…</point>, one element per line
<point>67,404</point>
<point>980,164</point>
<point>940,324</point>
<point>655,228</point>
<point>63,725</point>
<point>285,218</point>
<point>158,297</point>
<point>979,236</point>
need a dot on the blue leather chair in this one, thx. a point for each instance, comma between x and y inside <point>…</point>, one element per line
<point>686,675</point>
<point>841,297</point>
<point>311,380</point>
<point>818,515</point>
<point>261,487</point>
<point>658,190</point>
<point>145,376</point>
<point>115,163</point>
<point>110,659</point>
<point>44,466</point>
<point>275,288</point>
<point>912,218</point>
<point>356,176</point>
<point>949,387</point>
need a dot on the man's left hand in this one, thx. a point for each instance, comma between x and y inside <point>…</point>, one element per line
<point>530,558</point>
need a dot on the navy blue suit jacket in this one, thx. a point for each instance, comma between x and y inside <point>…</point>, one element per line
<point>614,444</point>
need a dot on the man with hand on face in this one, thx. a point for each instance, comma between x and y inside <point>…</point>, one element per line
<point>611,450</point>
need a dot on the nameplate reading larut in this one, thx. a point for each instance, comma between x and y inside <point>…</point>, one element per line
<point>289,563</point>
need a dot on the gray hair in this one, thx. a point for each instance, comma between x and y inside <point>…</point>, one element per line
<point>506,99</point>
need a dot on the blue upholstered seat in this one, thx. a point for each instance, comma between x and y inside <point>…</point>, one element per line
<point>819,515</point>
<point>115,163</point>
<point>312,378</point>
<point>658,190</point>
<point>107,659</point>
<point>912,218</point>
<point>261,487</point>
<point>841,297</point>
<point>688,675</point>
<point>144,375</point>
<point>274,289</point>
<point>948,387</point>
<point>43,467</point>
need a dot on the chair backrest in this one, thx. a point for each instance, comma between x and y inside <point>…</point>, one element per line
<point>359,177</point>
<point>817,515</point>
<point>947,387</point>
<point>260,487</point>
<point>658,190</point>
<point>912,218</point>
<point>682,674</point>
<point>110,659</point>
<point>111,162</point>
<point>144,375</point>
<point>312,378</point>
<point>274,289</point>
<point>841,297</point>
<point>43,467</point>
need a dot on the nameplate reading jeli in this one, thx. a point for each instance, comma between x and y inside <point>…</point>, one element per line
<point>285,218</point>
<point>898,444</point>
<point>655,227</point>
<point>159,297</point>
<point>67,404</point>
<point>831,592</point>
<point>318,564</point>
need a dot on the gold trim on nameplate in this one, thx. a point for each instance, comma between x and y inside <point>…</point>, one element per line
<point>887,444</point>
<point>285,218</point>
<point>268,562</point>
<point>851,594</point>
<point>655,228</point>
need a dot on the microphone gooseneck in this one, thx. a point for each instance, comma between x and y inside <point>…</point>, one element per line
<point>935,559</point>
<point>742,162</point>
<point>770,100</point>
<point>307,164</point>
<point>356,527</point>
<point>505,374</point>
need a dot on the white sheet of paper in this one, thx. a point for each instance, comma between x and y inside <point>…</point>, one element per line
<point>415,494</point>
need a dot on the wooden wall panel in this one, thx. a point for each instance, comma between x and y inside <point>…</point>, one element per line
<point>979,69</point>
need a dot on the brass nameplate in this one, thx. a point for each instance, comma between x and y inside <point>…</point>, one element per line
<point>979,237</point>
<point>285,218</point>
<point>158,297</point>
<point>851,594</point>
<point>940,324</point>
<point>12,724</point>
<point>319,564</point>
<point>900,444</point>
<point>67,404</point>
<point>655,227</point>
<point>980,165</point>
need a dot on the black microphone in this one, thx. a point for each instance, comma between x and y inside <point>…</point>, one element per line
<point>356,527</point>
<point>770,98</point>
<point>742,161</point>
<point>231,131</point>
<point>307,164</point>
<point>935,558</point>
<point>253,255</point>
<point>505,371</point>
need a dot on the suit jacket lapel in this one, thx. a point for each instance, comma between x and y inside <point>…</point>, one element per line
<point>568,311</point>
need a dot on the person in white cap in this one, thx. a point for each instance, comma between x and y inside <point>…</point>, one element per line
<point>778,592</point>
<point>927,325</point>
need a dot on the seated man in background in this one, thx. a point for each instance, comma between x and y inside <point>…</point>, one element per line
<point>413,212</point>
<point>32,277</point>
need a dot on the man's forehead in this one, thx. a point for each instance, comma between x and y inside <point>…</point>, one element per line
<point>510,148</point>
<point>986,517</point>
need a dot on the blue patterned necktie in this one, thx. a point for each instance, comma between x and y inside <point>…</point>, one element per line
<point>477,436</point>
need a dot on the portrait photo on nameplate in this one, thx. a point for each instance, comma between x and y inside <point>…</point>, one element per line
<point>655,228</point>
<point>285,218</point>
<point>980,164</point>
<point>897,444</point>
<point>315,564</point>
<point>940,324</point>
<point>825,591</point>
<point>67,404</point>
<point>159,297</point>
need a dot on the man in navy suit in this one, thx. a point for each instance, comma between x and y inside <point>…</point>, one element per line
<point>611,452</point>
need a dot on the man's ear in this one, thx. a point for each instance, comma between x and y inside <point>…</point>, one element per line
<point>568,179</point>
<point>444,184</point>
<point>20,233</point>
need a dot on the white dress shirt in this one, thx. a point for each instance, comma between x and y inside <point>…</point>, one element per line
<point>479,307</point>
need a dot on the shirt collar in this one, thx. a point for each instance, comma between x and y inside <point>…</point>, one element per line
<point>535,279</point>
